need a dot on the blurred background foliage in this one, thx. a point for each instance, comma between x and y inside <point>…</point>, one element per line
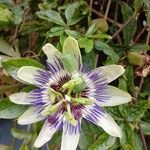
<point>108,32</point>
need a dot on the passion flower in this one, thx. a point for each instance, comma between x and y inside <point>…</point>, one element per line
<point>66,93</point>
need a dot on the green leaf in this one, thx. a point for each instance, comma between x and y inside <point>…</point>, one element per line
<point>55,31</point>
<point>6,16</point>
<point>92,29</point>
<point>55,141</point>
<point>148,18</point>
<point>7,49</point>
<point>73,33</point>
<point>17,14</point>
<point>139,47</point>
<point>86,43</point>
<point>28,88</point>
<point>99,45</point>
<point>137,112</point>
<point>146,86</point>
<point>13,65</point>
<point>50,34</point>
<point>51,16</point>
<point>89,60</point>
<point>127,140</point>
<point>88,132</point>
<point>137,5</point>
<point>145,126</point>
<point>75,12</point>
<point>115,113</point>
<point>21,134</point>
<point>147,3</point>
<point>57,28</point>
<point>122,84</point>
<point>130,29</point>
<point>104,142</point>
<point>127,147</point>
<point>48,4</point>
<point>138,141</point>
<point>9,110</point>
<point>123,110</point>
<point>130,78</point>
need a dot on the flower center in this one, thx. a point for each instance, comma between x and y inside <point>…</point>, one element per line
<point>66,98</point>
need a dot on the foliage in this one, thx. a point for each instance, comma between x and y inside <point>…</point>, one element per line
<point>121,37</point>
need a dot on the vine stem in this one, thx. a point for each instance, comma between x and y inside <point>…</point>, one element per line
<point>121,28</point>
<point>115,18</point>
<point>139,35</point>
<point>107,9</point>
<point>91,3</point>
<point>142,138</point>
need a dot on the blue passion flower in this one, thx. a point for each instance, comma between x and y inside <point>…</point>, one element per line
<point>66,93</point>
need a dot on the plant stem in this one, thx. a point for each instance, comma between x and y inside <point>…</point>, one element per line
<point>121,28</point>
<point>47,146</point>
<point>142,138</point>
<point>107,9</point>
<point>139,35</point>
<point>14,139</point>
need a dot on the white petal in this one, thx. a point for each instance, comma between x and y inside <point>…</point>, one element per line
<point>29,74</point>
<point>45,134</point>
<point>109,125</point>
<point>118,97</point>
<point>50,51</point>
<point>31,116</point>
<point>69,140</point>
<point>20,98</point>
<point>111,72</point>
<point>98,116</point>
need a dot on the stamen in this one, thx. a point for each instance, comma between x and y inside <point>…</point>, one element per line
<point>51,109</point>
<point>54,94</point>
<point>69,116</point>
<point>83,101</point>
